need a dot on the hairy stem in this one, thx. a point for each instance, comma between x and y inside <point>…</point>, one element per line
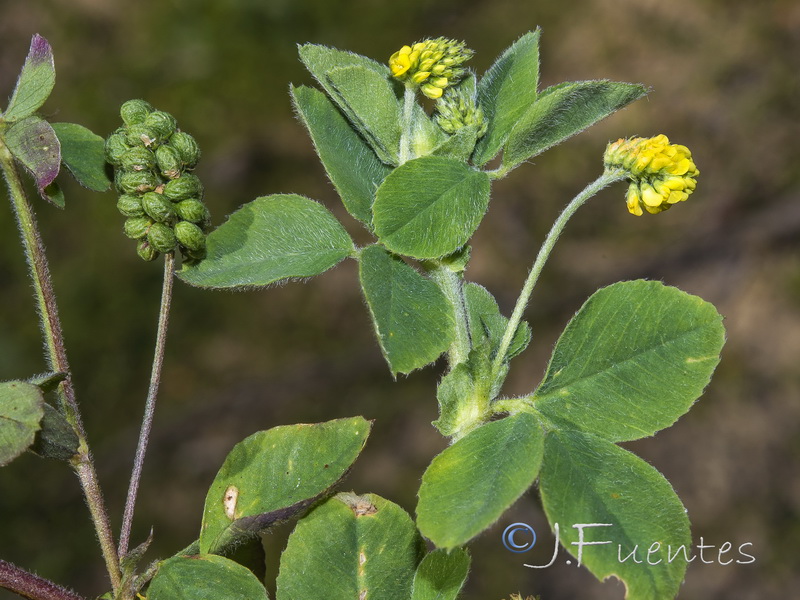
<point>57,359</point>
<point>31,586</point>
<point>407,125</point>
<point>590,190</point>
<point>150,404</point>
<point>452,286</point>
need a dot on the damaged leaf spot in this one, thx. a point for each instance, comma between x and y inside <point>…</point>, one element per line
<point>360,505</point>
<point>229,501</point>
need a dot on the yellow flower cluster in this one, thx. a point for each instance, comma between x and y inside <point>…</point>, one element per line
<point>433,65</point>
<point>661,174</point>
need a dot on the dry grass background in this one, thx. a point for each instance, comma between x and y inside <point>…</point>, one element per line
<point>726,82</point>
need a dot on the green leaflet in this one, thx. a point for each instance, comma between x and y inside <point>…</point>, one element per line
<point>272,475</point>
<point>563,111</point>
<point>458,146</point>
<point>352,166</point>
<point>56,438</point>
<point>351,548</point>
<point>632,361</point>
<point>83,153</point>
<point>369,101</point>
<point>34,144</point>
<point>36,81</point>
<point>472,483</point>
<point>21,410</point>
<point>430,206</point>
<point>351,80</point>
<point>273,238</point>
<point>506,92</point>
<point>412,317</point>
<point>441,575</point>
<point>586,479</point>
<point>204,577</point>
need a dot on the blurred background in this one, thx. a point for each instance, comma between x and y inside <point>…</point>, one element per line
<point>725,81</point>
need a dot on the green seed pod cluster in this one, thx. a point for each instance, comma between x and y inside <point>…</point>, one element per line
<point>159,196</point>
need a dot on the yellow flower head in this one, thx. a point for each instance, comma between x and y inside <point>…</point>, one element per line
<point>433,65</point>
<point>660,174</point>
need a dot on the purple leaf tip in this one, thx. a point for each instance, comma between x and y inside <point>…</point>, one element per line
<point>40,50</point>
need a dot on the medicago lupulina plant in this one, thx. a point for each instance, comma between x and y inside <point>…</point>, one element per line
<point>632,360</point>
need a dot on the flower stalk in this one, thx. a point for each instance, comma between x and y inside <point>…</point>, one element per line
<point>607,178</point>
<point>150,403</point>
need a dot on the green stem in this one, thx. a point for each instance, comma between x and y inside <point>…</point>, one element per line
<point>407,125</point>
<point>150,403</point>
<point>511,405</point>
<point>57,359</point>
<point>452,286</point>
<point>607,178</point>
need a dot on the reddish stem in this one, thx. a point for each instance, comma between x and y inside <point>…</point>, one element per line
<point>32,586</point>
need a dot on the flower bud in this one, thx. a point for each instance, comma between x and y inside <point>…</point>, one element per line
<point>158,208</point>
<point>192,210</point>
<point>458,109</point>
<point>190,236</point>
<point>130,206</point>
<point>162,123</point>
<point>161,237</point>
<point>134,112</point>
<point>185,186</point>
<point>116,146</point>
<point>138,158</point>
<point>136,182</point>
<point>169,161</point>
<point>187,148</point>
<point>136,227</point>
<point>146,251</point>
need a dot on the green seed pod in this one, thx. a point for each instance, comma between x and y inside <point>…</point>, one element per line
<point>161,237</point>
<point>185,186</point>
<point>141,135</point>
<point>146,251</point>
<point>116,147</point>
<point>134,112</point>
<point>138,158</point>
<point>136,227</point>
<point>162,123</point>
<point>192,210</point>
<point>169,162</point>
<point>158,208</point>
<point>190,236</point>
<point>187,148</point>
<point>136,182</point>
<point>130,206</point>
